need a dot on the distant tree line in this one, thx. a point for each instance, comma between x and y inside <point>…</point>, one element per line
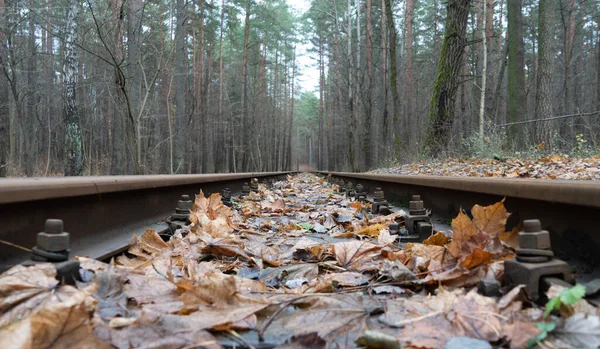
<point>196,86</point>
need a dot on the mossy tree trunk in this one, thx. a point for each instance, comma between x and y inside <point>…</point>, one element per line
<point>443,99</point>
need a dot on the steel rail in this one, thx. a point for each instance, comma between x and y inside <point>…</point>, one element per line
<point>100,213</point>
<point>568,209</point>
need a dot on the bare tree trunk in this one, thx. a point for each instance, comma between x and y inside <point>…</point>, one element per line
<point>409,10</point>
<point>369,135</point>
<point>4,109</point>
<point>134,28</point>
<point>385,117</point>
<point>29,124</point>
<point>180,85</point>
<point>543,100</point>
<point>443,100</point>
<point>393,66</point>
<point>221,131</point>
<point>516,75</point>
<point>568,49</point>
<point>245,146</point>
<point>320,137</point>
<point>483,71</point>
<point>73,141</point>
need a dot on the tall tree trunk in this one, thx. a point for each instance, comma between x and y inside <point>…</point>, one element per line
<point>568,52</point>
<point>483,71</point>
<point>543,98</point>
<point>4,109</point>
<point>598,63</point>
<point>73,139</point>
<point>408,15</point>
<point>244,136</point>
<point>516,72</point>
<point>320,138</point>
<point>384,85</point>
<point>369,143</point>
<point>134,28</point>
<point>393,66</point>
<point>443,99</point>
<point>350,67</point>
<point>29,123</point>
<point>221,130</point>
<point>180,85</point>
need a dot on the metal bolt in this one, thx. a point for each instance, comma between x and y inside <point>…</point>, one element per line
<point>245,189</point>
<point>378,194</point>
<point>185,203</point>
<point>53,226</point>
<point>53,238</point>
<point>532,225</point>
<point>416,206</point>
<point>226,197</point>
<point>533,237</point>
<point>254,184</point>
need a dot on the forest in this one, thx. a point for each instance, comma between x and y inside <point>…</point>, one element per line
<point>108,87</point>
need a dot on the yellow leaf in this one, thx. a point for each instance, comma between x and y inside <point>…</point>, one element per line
<point>372,230</point>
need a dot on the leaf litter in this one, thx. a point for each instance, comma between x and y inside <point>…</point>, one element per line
<point>293,266</point>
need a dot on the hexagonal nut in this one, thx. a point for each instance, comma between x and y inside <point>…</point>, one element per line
<point>539,240</point>
<point>53,242</point>
<point>489,287</point>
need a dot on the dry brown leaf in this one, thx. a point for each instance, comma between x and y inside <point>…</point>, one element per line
<point>356,205</point>
<point>511,238</point>
<point>438,239</point>
<point>490,219</point>
<point>372,230</point>
<point>35,313</point>
<point>476,258</point>
<point>353,253</point>
<point>385,238</point>
<point>462,229</point>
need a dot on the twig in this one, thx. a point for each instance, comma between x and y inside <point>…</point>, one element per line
<point>15,246</point>
<point>485,322</point>
<point>396,324</point>
<point>241,339</point>
<point>282,306</point>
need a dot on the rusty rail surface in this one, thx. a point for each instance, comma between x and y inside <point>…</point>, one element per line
<point>570,210</point>
<point>100,213</point>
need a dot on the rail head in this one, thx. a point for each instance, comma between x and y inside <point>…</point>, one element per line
<point>14,190</point>
<point>579,193</point>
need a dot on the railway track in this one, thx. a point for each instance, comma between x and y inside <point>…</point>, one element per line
<point>100,213</point>
<point>569,210</point>
<point>329,263</point>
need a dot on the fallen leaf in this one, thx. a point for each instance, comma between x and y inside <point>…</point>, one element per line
<point>490,219</point>
<point>438,239</point>
<point>477,258</point>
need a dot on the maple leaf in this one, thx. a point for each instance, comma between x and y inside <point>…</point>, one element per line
<point>490,219</point>
<point>438,239</point>
<point>463,230</point>
<point>354,253</point>
<point>476,258</point>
